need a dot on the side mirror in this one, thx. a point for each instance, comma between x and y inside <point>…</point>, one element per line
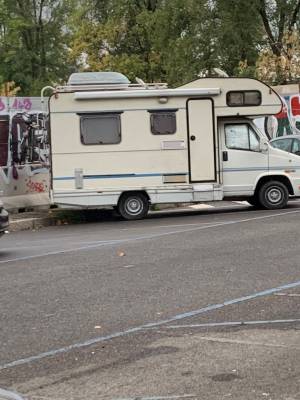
<point>263,145</point>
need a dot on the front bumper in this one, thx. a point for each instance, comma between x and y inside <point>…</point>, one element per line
<point>4,221</point>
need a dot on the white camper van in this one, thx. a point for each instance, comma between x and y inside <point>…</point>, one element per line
<point>122,145</point>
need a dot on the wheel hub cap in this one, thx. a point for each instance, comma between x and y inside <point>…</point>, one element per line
<point>134,206</point>
<point>274,195</point>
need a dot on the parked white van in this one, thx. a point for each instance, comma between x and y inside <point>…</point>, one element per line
<point>122,145</point>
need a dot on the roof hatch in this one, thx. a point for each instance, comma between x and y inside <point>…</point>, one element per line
<point>97,78</point>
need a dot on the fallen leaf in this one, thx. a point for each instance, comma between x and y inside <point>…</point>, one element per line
<point>121,253</point>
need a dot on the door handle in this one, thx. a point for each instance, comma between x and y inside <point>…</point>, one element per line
<point>193,137</point>
<point>225,155</point>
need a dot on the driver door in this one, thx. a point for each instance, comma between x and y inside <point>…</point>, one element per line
<point>241,159</point>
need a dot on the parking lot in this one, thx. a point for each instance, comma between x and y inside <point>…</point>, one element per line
<point>199,304</point>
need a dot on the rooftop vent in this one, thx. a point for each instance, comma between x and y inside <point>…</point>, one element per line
<point>98,78</point>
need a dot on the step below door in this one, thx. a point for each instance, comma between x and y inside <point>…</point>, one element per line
<point>202,155</point>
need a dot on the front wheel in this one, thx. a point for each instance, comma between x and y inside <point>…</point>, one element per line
<point>133,206</point>
<point>273,195</point>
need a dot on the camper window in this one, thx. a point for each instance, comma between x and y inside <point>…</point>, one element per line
<point>100,128</point>
<point>163,123</point>
<point>243,98</point>
<point>241,137</point>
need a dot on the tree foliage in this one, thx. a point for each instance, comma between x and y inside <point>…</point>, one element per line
<point>34,42</point>
<point>9,89</point>
<point>171,40</point>
<point>42,41</point>
<point>239,33</point>
<point>279,59</point>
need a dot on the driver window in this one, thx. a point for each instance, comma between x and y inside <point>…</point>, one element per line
<point>241,137</point>
<point>254,141</point>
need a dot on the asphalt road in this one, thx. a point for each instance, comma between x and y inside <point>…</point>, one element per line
<point>198,305</point>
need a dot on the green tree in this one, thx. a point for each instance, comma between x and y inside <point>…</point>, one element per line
<point>239,34</point>
<point>42,41</point>
<point>34,42</point>
<point>278,61</point>
<point>116,35</point>
<point>152,39</point>
<point>186,39</point>
<point>172,40</point>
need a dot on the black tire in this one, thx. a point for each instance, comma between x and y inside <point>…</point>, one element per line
<point>133,206</point>
<point>253,201</point>
<point>273,195</point>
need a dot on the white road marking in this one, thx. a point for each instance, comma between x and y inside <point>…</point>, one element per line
<point>245,342</point>
<point>59,237</point>
<point>182,225</point>
<point>13,221</point>
<point>182,396</point>
<point>8,395</point>
<point>233,323</point>
<point>146,326</point>
<point>148,237</point>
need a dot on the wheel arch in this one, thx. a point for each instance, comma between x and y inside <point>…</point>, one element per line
<point>133,204</point>
<point>280,178</point>
<point>126,192</point>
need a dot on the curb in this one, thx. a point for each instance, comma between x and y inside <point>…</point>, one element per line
<point>35,223</point>
<point>69,217</point>
<point>31,223</point>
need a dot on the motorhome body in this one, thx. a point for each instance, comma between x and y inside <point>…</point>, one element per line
<point>128,146</point>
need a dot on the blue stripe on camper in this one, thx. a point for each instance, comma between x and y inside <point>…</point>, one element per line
<point>119,176</point>
<point>246,169</point>
<point>280,168</point>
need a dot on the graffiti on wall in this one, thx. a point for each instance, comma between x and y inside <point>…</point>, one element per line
<point>11,105</point>
<point>24,157</point>
<point>17,104</point>
<point>287,122</point>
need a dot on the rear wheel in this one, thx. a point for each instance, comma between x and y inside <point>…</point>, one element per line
<point>133,206</point>
<point>273,195</point>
